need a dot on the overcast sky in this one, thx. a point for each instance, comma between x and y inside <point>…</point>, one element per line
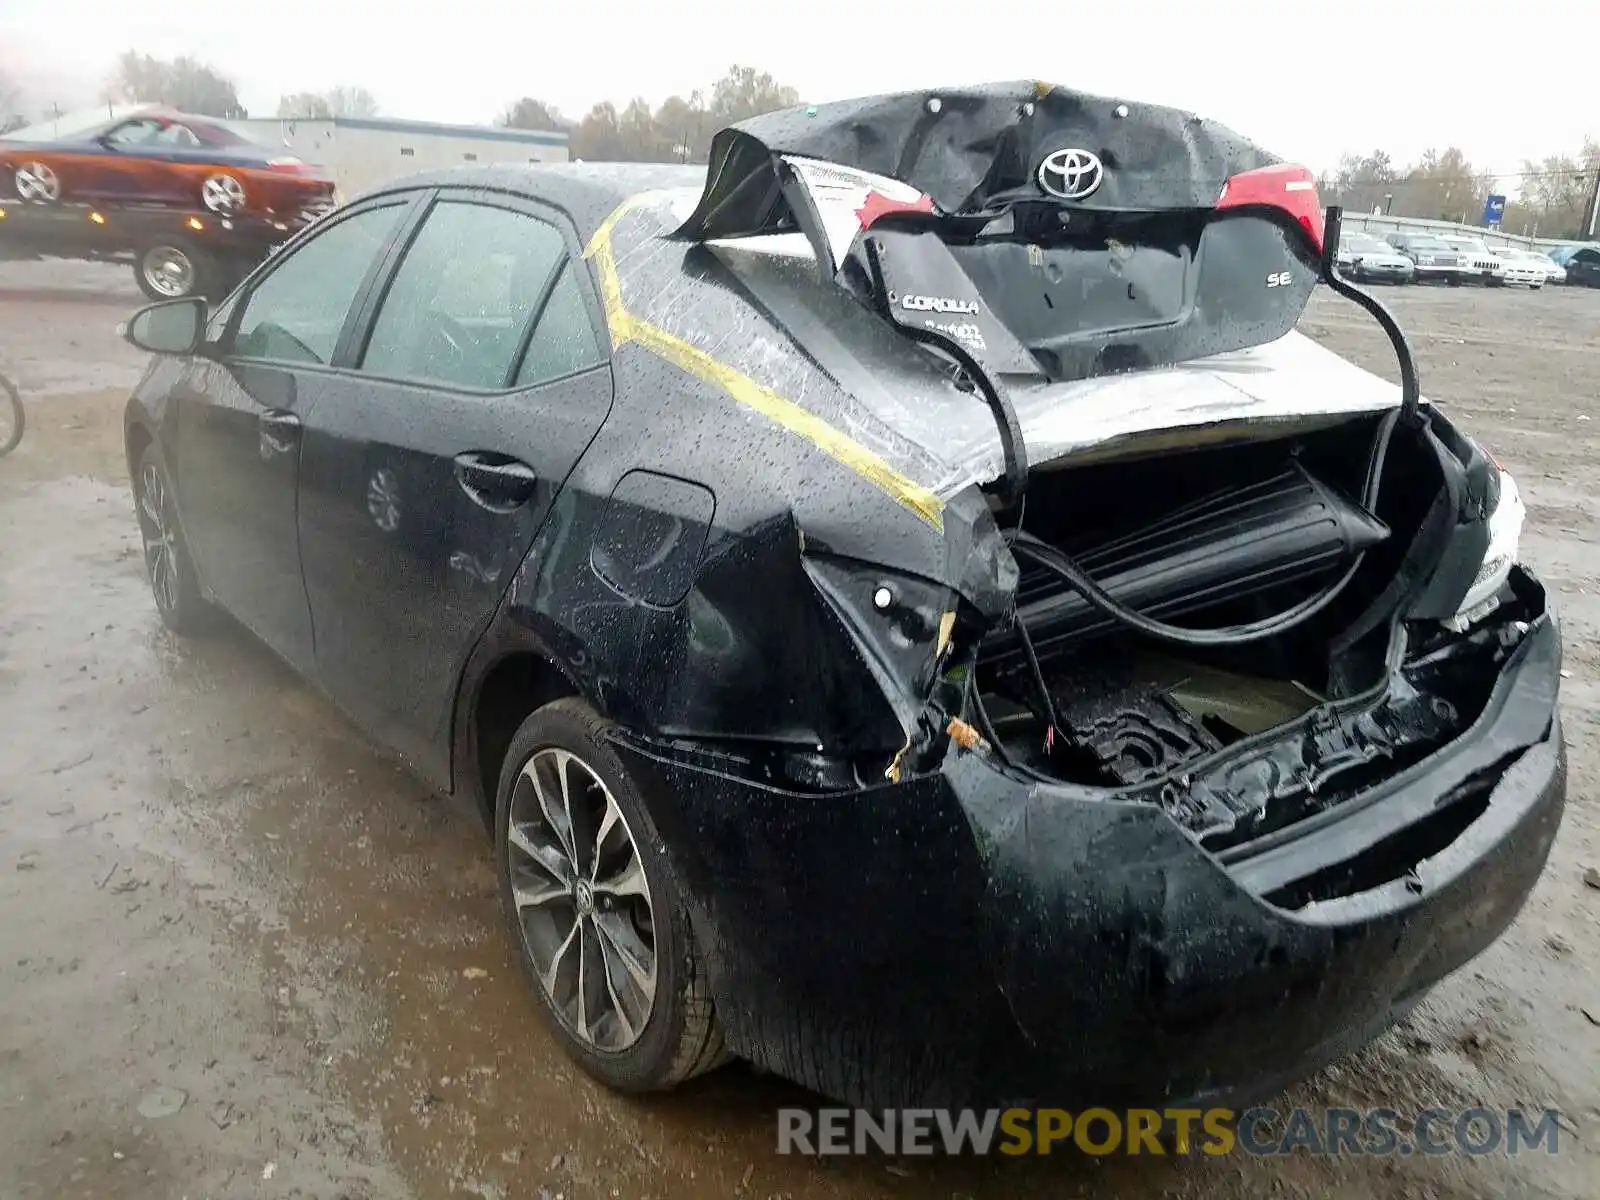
<point>1509,92</point>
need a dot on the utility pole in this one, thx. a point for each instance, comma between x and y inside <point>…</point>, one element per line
<point>1593,209</point>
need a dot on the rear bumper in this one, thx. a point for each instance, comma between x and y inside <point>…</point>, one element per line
<point>969,938</point>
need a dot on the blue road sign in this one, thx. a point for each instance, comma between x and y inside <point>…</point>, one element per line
<point>1494,209</point>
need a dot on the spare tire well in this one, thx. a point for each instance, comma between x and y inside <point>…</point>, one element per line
<point>516,686</point>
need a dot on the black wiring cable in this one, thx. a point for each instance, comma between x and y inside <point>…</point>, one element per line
<point>1058,563</point>
<point>1038,679</point>
<point>1062,565</point>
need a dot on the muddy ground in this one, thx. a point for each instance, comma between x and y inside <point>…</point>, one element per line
<point>241,954</point>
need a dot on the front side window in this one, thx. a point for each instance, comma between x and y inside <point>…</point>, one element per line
<point>137,132</point>
<point>296,313</point>
<point>465,292</point>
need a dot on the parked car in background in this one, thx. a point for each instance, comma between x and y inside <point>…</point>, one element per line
<point>1433,259</point>
<point>923,741</point>
<point>1583,266</point>
<point>1485,266</point>
<point>155,156</point>
<point>1532,262</point>
<point>1369,259</point>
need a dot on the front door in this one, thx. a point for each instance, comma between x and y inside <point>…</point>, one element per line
<point>241,415</point>
<point>425,478</point>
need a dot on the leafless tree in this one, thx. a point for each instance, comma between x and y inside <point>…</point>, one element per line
<point>183,83</point>
<point>528,113</point>
<point>335,102</point>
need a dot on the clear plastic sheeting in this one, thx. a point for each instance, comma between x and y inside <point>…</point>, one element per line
<point>816,346</point>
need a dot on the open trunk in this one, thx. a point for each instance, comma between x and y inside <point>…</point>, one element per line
<point>1251,579</point>
<point>1241,740</point>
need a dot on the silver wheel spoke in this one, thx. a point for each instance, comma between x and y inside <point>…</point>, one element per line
<point>554,807</point>
<point>609,822</point>
<point>584,955</point>
<point>576,876</point>
<point>635,958</point>
<point>629,881</point>
<point>548,859</point>
<point>547,891</point>
<point>160,550</point>
<point>548,976</point>
<point>608,953</point>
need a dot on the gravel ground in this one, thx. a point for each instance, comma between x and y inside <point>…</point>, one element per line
<point>243,955</point>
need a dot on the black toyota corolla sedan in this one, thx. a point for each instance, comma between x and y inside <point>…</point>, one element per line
<point>910,607</point>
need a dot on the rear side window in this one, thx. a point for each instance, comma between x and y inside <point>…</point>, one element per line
<point>563,341</point>
<point>296,313</point>
<point>464,295</point>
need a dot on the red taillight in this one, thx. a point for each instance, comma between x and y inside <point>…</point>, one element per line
<point>1283,186</point>
<point>877,205</point>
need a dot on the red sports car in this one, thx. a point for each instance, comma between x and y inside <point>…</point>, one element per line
<point>155,156</point>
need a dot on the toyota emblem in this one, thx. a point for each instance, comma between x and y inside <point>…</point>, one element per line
<point>1071,174</point>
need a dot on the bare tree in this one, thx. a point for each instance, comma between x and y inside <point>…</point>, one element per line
<point>11,114</point>
<point>598,137</point>
<point>745,92</point>
<point>682,125</point>
<point>183,83</point>
<point>335,102</point>
<point>528,113</point>
<point>678,131</point>
<point>304,106</point>
<point>346,101</point>
<point>1444,185</point>
<point>637,127</point>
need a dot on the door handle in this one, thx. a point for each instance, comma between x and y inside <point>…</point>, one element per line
<point>280,431</point>
<point>495,481</point>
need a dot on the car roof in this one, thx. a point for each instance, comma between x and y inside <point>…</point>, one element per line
<point>587,192</point>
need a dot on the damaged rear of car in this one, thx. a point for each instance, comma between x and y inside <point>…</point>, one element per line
<point>1053,677</point>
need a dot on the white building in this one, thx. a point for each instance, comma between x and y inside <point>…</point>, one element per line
<point>364,152</point>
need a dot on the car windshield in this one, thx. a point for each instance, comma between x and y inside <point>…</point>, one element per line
<point>1365,242</point>
<point>1422,243</point>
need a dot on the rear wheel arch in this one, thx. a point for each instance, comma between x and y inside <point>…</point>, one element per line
<point>138,438</point>
<point>516,685</point>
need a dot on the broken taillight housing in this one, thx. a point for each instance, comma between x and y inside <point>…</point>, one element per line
<point>849,200</point>
<point>1284,186</point>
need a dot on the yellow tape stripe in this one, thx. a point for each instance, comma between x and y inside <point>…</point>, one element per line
<point>625,327</point>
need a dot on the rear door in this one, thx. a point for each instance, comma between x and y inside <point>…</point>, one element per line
<point>478,382</point>
<point>240,414</point>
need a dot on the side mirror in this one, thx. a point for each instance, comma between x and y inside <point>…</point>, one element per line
<point>170,327</point>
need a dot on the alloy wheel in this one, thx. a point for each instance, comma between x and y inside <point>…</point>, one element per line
<point>169,272</point>
<point>37,183</point>
<point>222,193</point>
<point>160,542</point>
<point>582,900</point>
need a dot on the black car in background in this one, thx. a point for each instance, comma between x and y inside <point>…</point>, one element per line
<point>1583,267</point>
<point>675,520</point>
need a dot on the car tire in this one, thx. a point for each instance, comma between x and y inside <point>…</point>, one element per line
<point>581,854</point>
<point>175,270</point>
<point>176,589</point>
